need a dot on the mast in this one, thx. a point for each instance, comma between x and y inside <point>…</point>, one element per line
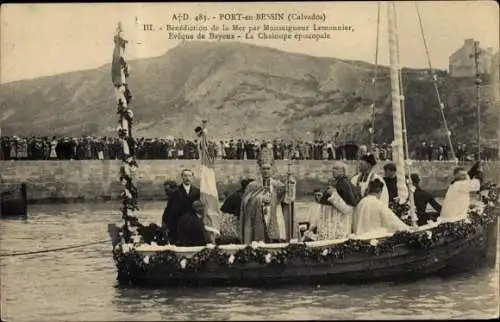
<point>477,82</point>
<point>398,152</point>
<point>119,76</point>
<point>402,97</point>
<point>374,81</point>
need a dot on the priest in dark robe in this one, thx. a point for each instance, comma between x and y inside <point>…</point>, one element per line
<point>265,215</point>
<point>180,202</point>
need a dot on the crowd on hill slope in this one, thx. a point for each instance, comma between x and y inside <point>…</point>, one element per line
<point>106,148</point>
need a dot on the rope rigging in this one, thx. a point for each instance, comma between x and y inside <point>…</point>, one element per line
<point>54,249</point>
<point>434,81</point>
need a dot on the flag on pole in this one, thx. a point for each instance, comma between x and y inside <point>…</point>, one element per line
<point>208,188</point>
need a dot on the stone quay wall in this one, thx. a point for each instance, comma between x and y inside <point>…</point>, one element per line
<point>77,181</point>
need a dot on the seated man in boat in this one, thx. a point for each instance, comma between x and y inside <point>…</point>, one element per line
<point>421,199</point>
<point>366,174</point>
<point>334,218</point>
<point>457,199</point>
<point>265,214</point>
<point>180,202</point>
<point>372,214</point>
<point>190,228</point>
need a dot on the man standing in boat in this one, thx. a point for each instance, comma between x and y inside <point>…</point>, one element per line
<point>264,214</point>
<point>457,200</point>
<point>179,203</point>
<point>366,174</point>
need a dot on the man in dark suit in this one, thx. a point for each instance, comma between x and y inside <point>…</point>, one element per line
<point>180,202</point>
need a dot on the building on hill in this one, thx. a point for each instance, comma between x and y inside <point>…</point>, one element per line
<point>462,61</point>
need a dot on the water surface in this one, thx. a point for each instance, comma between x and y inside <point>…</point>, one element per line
<point>80,284</point>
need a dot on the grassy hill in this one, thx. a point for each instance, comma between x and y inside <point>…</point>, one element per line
<point>243,90</point>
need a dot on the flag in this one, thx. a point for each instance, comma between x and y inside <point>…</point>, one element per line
<point>208,188</point>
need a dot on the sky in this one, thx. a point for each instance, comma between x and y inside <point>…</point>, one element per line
<point>45,39</point>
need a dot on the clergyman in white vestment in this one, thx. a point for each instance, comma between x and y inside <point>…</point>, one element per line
<point>371,214</point>
<point>457,199</point>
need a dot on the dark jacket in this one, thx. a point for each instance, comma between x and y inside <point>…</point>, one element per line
<point>347,191</point>
<point>178,204</point>
<point>422,198</point>
<point>392,188</point>
<point>191,230</point>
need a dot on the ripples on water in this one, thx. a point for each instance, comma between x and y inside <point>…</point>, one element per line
<point>81,284</point>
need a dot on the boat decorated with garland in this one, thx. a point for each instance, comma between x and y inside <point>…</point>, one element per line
<point>144,257</point>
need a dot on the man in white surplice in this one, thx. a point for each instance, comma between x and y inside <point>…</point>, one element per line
<point>457,199</point>
<point>366,174</point>
<point>372,215</point>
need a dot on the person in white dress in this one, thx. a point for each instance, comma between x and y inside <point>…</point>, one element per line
<point>373,215</point>
<point>367,174</point>
<point>458,196</point>
<point>53,144</point>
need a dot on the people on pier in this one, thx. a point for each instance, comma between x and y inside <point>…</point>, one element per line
<point>179,203</point>
<point>422,199</point>
<point>367,174</point>
<point>264,214</point>
<point>458,196</point>
<point>372,214</point>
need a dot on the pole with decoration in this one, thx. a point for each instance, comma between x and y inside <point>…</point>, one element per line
<point>477,53</point>
<point>120,73</point>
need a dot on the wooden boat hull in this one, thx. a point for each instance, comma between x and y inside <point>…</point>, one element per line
<point>447,256</point>
<point>14,202</point>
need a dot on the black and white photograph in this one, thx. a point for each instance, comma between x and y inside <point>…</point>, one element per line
<point>218,161</point>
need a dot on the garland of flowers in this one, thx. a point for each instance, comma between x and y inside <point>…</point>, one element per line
<point>120,72</point>
<point>131,262</point>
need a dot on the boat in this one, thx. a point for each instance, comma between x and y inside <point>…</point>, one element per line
<point>144,258</point>
<point>14,201</point>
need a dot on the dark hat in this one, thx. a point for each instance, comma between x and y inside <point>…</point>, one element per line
<point>198,130</point>
<point>415,179</point>
<point>390,167</point>
<point>369,158</point>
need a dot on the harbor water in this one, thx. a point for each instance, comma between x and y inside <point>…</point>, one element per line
<point>80,284</point>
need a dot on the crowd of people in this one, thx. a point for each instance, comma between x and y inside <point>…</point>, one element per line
<point>107,148</point>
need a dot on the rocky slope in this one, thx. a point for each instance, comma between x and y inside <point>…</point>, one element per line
<point>244,91</point>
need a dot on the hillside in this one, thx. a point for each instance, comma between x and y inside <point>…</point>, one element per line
<point>243,90</point>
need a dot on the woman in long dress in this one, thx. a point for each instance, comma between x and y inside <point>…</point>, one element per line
<point>53,144</point>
